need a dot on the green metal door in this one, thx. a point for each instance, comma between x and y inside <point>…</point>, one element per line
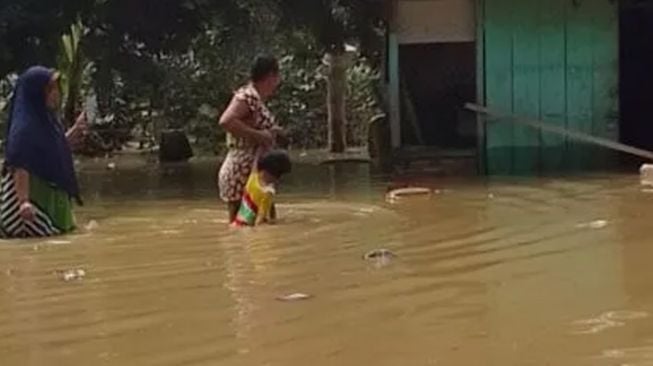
<point>557,61</point>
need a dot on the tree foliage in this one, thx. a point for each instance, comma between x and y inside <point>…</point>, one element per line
<point>160,64</point>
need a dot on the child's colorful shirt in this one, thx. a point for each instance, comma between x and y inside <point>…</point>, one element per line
<point>257,201</point>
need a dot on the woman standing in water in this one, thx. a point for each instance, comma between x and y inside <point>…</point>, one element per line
<point>251,127</point>
<point>38,177</point>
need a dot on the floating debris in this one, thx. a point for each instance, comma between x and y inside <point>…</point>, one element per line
<point>92,225</point>
<point>399,193</point>
<point>72,275</point>
<point>607,320</point>
<point>598,224</point>
<point>364,212</point>
<point>298,296</point>
<point>171,232</point>
<point>379,254</point>
<point>646,175</point>
<point>625,315</point>
<point>59,242</point>
<point>111,166</point>
<point>379,257</point>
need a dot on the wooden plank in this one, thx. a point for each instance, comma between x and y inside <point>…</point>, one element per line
<point>552,81</point>
<point>580,82</point>
<point>498,83</point>
<point>526,85</point>
<point>497,115</point>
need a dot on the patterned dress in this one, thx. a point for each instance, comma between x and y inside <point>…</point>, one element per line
<point>240,159</point>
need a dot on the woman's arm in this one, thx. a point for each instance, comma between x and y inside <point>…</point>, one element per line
<point>73,135</point>
<point>232,121</point>
<point>21,179</point>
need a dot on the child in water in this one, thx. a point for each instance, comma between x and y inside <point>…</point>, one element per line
<point>257,205</point>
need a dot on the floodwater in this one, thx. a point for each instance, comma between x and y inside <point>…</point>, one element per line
<point>513,272</point>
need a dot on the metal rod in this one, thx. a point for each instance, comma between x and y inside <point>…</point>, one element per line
<point>580,136</point>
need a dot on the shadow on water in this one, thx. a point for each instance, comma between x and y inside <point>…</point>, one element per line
<point>515,271</point>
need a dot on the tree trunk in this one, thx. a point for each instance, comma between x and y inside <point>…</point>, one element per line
<point>337,64</point>
<point>70,110</point>
<point>378,146</point>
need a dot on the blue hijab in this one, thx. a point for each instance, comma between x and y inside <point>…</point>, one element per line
<point>36,140</point>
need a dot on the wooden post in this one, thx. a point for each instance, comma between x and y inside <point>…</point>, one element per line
<point>480,85</point>
<point>393,77</point>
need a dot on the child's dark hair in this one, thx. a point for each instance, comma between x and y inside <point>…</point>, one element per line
<point>276,163</point>
<point>263,67</point>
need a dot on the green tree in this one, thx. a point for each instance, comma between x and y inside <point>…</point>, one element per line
<point>174,63</point>
<point>72,65</point>
<point>334,23</point>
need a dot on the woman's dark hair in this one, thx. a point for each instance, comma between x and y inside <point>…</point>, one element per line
<point>276,163</point>
<point>263,67</point>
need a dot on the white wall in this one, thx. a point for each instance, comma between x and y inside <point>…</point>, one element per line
<point>435,21</point>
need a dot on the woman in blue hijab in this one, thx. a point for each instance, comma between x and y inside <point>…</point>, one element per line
<point>38,179</point>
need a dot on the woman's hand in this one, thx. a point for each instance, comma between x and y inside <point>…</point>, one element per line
<point>266,138</point>
<point>277,130</point>
<point>280,137</point>
<point>271,137</point>
<point>81,124</point>
<point>26,211</point>
<point>79,129</point>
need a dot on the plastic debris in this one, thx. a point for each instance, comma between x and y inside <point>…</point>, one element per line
<point>298,296</point>
<point>92,225</point>
<point>397,194</point>
<point>379,254</point>
<point>72,275</point>
<point>597,224</point>
<point>646,175</point>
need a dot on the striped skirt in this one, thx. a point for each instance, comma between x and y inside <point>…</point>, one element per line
<point>45,223</point>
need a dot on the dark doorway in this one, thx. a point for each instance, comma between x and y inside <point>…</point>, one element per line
<point>437,80</point>
<point>636,73</point>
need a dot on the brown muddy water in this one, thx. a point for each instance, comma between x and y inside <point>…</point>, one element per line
<point>519,272</point>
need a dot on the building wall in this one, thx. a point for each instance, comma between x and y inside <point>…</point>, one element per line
<point>435,21</point>
<point>554,60</point>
